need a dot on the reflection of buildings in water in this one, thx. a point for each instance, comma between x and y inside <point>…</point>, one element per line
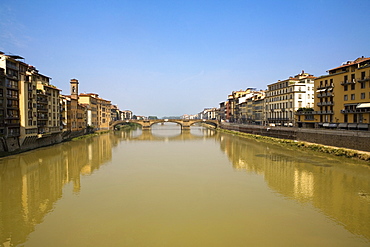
<point>303,184</point>
<point>30,183</point>
<point>332,186</point>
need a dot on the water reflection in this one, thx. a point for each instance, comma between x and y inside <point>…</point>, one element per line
<point>167,132</point>
<point>338,187</point>
<point>32,183</point>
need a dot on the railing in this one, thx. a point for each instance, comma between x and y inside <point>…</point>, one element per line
<point>325,103</point>
<point>364,79</point>
<point>9,84</point>
<point>353,81</point>
<point>325,87</point>
<point>304,113</point>
<point>345,111</point>
<point>278,119</point>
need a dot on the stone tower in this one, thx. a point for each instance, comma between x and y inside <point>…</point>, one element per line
<point>74,88</point>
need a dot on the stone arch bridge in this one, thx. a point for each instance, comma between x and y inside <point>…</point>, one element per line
<point>185,123</point>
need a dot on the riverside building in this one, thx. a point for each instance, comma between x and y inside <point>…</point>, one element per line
<point>9,100</point>
<point>342,98</point>
<point>284,98</point>
<point>48,107</point>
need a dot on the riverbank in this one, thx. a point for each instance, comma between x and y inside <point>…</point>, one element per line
<point>90,135</point>
<point>337,151</point>
<point>35,143</point>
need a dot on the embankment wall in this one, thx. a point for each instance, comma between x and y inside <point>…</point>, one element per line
<point>358,140</point>
<point>15,145</point>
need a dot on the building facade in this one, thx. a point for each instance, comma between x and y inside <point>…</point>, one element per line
<point>28,102</point>
<point>284,98</point>
<point>342,98</point>
<point>9,94</point>
<point>48,106</point>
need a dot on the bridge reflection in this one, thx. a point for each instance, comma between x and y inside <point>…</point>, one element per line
<point>32,183</point>
<point>184,123</point>
<point>150,135</point>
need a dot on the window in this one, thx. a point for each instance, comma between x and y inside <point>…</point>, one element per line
<point>345,88</point>
<point>362,95</point>
<point>345,97</point>
<point>353,86</point>
<point>299,96</point>
<point>309,117</point>
<point>352,77</point>
<point>352,96</point>
<point>363,84</point>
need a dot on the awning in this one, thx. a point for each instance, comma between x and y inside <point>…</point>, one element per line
<point>320,90</point>
<point>326,125</point>
<point>363,105</point>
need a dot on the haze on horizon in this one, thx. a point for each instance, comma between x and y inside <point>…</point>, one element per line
<point>167,58</point>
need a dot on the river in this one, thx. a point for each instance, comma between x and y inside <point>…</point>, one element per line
<point>165,187</point>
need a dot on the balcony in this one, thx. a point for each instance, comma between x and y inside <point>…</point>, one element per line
<point>278,119</point>
<point>12,85</point>
<point>364,79</point>
<point>12,116</point>
<point>42,110</point>
<point>361,110</point>
<point>304,113</point>
<point>327,103</point>
<point>325,87</point>
<point>322,112</point>
<point>12,96</point>
<point>12,125</point>
<point>348,82</point>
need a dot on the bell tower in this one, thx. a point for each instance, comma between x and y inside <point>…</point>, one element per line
<point>74,88</point>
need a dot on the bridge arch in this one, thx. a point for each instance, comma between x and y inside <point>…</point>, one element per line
<point>214,123</point>
<point>147,124</point>
<point>157,121</point>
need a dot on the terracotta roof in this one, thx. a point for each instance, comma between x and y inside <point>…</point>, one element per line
<point>349,63</point>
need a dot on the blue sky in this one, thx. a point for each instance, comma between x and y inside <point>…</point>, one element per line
<point>168,58</point>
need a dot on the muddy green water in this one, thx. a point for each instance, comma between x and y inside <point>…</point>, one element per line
<point>170,188</point>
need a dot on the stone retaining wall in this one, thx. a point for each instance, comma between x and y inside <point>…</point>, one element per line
<point>15,145</point>
<point>358,140</point>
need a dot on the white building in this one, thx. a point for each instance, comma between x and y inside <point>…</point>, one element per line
<point>284,98</point>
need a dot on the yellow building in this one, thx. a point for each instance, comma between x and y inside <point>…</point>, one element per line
<point>73,113</point>
<point>89,100</point>
<point>48,106</point>
<point>98,110</point>
<point>9,98</point>
<point>28,102</point>
<point>342,98</point>
<point>104,112</point>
